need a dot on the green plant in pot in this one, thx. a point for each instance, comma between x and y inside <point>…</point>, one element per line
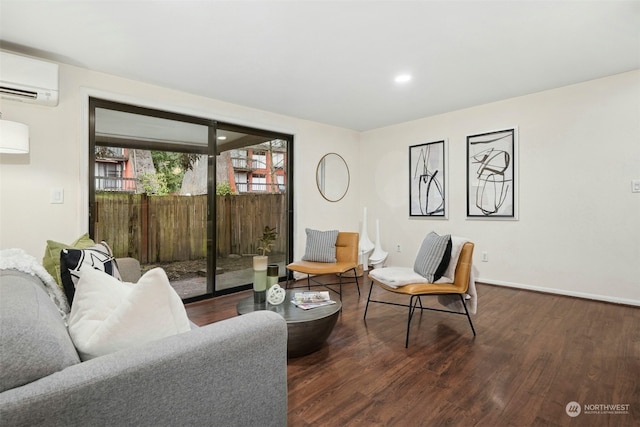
<point>260,263</point>
<point>266,241</point>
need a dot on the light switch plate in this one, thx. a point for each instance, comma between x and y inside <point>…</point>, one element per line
<point>635,185</point>
<point>56,195</point>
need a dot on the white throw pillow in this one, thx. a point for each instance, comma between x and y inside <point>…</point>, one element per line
<point>108,315</point>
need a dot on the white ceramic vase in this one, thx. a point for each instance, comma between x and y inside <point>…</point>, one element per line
<point>260,278</point>
<point>377,258</point>
<point>365,245</point>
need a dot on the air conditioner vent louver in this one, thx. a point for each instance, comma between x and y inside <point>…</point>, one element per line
<point>28,79</point>
<point>18,92</point>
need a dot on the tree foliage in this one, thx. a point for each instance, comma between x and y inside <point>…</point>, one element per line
<point>172,167</point>
<point>153,183</point>
<point>223,189</point>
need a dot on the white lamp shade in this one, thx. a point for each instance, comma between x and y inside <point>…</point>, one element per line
<point>14,137</point>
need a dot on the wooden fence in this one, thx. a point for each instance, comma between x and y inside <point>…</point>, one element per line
<point>174,228</point>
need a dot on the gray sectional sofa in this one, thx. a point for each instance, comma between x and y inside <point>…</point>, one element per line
<point>230,373</point>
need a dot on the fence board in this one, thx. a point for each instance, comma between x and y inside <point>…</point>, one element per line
<point>174,228</point>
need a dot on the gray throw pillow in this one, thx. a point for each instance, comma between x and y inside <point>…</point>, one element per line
<point>433,257</point>
<point>321,246</point>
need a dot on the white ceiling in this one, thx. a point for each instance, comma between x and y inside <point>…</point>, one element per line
<point>334,61</point>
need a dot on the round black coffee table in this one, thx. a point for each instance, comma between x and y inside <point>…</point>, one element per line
<point>307,329</point>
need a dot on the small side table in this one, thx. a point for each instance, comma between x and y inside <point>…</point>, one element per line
<point>307,329</point>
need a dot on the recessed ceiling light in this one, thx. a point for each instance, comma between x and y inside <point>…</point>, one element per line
<point>403,78</point>
<point>222,138</point>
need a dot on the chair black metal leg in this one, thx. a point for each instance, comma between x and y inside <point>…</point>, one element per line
<point>368,299</point>
<point>355,274</point>
<point>415,302</point>
<point>412,307</point>
<point>468,316</point>
<point>308,281</point>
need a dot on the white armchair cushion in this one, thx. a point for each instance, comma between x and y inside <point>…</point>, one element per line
<point>396,277</point>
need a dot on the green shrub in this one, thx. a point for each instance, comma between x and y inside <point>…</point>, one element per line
<point>223,189</point>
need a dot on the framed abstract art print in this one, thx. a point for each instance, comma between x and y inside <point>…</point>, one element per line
<point>428,180</point>
<point>492,174</point>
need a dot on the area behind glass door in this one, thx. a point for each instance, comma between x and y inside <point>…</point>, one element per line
<point>252,177</point>
<point>149,191</point>
<point>187,194</point>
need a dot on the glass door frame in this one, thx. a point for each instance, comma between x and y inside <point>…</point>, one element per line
<point>223,126</point>
<point>211,152</point>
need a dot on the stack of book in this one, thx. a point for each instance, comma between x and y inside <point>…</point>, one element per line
<point>308,300</point>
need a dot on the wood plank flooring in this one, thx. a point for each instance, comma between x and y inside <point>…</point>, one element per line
<point>534,354</point>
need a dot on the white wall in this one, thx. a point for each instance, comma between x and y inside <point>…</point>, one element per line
<point>57,158</point>
<point>578,231</point>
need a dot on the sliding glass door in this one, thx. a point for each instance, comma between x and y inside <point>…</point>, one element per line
<point>253,192</point>
<point>187,194</point>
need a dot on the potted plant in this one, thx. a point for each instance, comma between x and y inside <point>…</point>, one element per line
<point>260,263</point>
<point>266,241</point>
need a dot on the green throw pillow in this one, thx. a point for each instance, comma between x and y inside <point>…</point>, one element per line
<point>51,259</point>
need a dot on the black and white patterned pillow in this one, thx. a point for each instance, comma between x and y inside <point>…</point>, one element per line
<point>433,257</point>
<point>321,246</point>
<point>72,261</point>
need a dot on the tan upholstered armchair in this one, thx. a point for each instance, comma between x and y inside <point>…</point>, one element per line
<point>346,260</point>
<point>458,288</point>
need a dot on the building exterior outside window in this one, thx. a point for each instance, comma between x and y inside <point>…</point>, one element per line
<point>254,169</point>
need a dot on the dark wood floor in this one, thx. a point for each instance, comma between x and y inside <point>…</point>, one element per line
<point>534,354</point>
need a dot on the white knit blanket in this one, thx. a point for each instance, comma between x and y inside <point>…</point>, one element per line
<point>18,259</point>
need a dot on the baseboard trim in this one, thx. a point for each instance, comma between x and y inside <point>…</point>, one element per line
<point>584,295</point>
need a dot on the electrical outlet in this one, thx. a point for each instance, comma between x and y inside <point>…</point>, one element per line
<point>485,257</point>
<point>398,248</point>
<point>635,185</point>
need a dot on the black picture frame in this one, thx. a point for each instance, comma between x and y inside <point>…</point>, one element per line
<point>492,180</point>
<point>428,180</point>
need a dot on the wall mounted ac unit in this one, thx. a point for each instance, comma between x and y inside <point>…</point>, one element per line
<point>28,79</point>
